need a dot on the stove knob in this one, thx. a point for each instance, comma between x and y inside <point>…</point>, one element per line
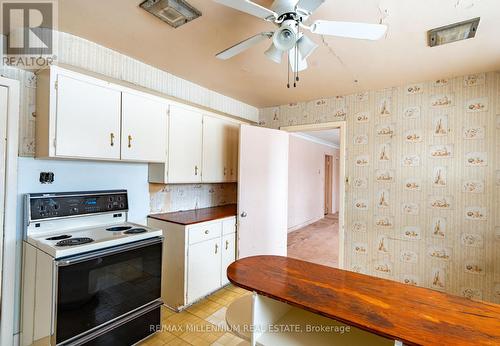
<point>110,206</point>
<point>74,210</point>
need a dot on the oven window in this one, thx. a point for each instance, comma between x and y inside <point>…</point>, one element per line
<point>96,291</point>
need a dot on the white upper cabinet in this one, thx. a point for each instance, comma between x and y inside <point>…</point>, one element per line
<point>234,139</point>
<point>85,117</point>
<point>216,134</point>
<point>144,128</point>
<point>220,150</point>
<point>88,120</point>
<point>185,146</point>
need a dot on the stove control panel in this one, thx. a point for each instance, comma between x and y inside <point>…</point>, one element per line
<point>65,204</point>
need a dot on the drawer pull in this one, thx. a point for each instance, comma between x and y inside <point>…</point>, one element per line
<point>227,244</point>
<point>112,138</point>
<point>129,141</point>
<point>216,248</point>
<point>225,171</point>
<point>206,231</point>
<point>195,170</point>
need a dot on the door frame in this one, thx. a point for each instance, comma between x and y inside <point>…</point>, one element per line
<point>10,206</point>
<point>328,186</point>
<point>341,125</point>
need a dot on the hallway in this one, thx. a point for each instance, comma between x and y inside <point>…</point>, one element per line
<point>317,242</point>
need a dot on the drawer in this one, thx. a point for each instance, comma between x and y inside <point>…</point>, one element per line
<point>204,232</point>
<point>229,226</point>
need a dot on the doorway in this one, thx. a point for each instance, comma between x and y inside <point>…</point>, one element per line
<point>316,193</point>
<point>9,117</point>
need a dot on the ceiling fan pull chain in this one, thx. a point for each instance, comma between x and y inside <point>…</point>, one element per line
<point>288,70</point>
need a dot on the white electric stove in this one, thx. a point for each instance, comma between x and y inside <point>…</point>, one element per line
<point>89,275</point>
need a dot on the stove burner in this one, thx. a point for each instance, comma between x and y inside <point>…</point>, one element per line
<point>59,237</point>
<point>118,228</point>
<point>135,231</point>
<point>74,241</point>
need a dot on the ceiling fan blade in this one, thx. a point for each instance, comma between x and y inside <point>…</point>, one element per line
<point>301,63</point>
<point>351,30</point>
<point>310,5</point>
<point>248,7</point>
<point>244,45</point>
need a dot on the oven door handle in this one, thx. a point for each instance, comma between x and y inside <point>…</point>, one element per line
<point>107,252</point>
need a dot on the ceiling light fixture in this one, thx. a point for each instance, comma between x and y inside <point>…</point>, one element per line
<point>173,12</point>
<point>454,32</point>
<point>274,54</point>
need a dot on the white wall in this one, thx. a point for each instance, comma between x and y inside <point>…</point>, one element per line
<point>306,181</point>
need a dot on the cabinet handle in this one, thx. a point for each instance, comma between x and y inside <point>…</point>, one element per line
<point>227,244</point>
<point>129,141</point>
<point>206,231</point>
<point>112,138</point>
<point>195,170</point>
<point>225,171</point>
<point>216,248</point>
<point>232,171</point>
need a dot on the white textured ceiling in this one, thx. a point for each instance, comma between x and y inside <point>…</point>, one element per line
<point>331,137</point>
<point>189,51</point>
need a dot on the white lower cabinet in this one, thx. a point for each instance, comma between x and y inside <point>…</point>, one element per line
<point>195,259</point>
<point>204,269</point>
<point>228,255</point>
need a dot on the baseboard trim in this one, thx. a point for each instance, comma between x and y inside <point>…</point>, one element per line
<point>302,225</point>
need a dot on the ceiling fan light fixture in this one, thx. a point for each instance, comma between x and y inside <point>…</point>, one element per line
<point>274,54</point>
<point>306,46</point>
<point>285,37</point>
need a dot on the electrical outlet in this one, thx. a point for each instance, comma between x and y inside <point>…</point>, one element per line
<point>46,177</point>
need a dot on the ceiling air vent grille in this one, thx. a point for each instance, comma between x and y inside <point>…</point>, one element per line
<point>173,12</point>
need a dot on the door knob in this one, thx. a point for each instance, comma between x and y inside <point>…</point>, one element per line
<point>244,214</point>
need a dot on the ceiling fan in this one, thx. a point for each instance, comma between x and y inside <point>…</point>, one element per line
<point>290,17</point>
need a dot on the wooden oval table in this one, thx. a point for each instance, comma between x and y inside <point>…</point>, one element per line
<point>291,292</point>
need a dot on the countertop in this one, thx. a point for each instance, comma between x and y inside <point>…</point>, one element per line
<point>190,217</point>
<point>413,315</point>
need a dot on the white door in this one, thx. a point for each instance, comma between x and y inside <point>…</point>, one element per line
<point>215,150</point>
<point>144,128</point>
<point>4,94</point>
<point>204,269</point>
<point>88,120</point>
<point>228,255</point>
<point>262,192</point>
<point>185,146</point>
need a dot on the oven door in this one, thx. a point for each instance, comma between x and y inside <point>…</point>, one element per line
<point>99,287</point>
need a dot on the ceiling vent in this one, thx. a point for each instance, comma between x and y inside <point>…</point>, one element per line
<point>454,32</point>
<point>174,12</point>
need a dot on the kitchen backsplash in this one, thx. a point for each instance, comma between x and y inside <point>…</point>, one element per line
<point>424,165</point>
<point>172,198</point>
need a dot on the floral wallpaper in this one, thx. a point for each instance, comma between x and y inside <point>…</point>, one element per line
<point>423,162</point>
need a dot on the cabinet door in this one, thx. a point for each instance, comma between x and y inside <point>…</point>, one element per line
<point>216,137</point>
<point>204,269</point>
<point>88,120</point>
<point>234,139</point>
<point>144,128</point>
<point>185,146</point>
<point>228,255</point>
